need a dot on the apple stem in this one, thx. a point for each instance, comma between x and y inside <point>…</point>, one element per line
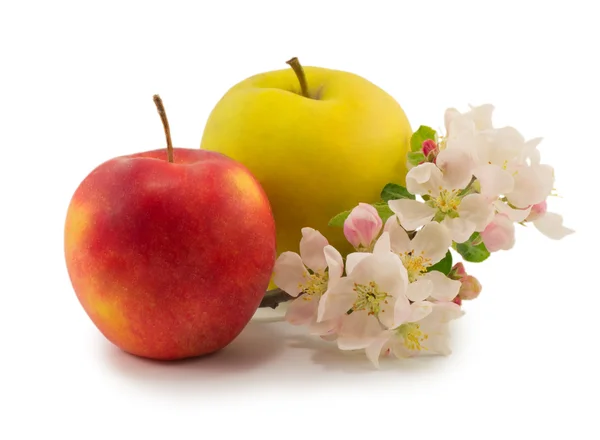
<point>274,297</point>
<point>299,71</point>
<point>163,117</point>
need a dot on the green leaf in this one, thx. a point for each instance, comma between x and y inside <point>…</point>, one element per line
<point>393,191</point>
<point>422,134</point>
<point>384,210</point>
<point>444,265</point>
<point>475,253</point>
<point>339,219</point>
<point>415,158</point>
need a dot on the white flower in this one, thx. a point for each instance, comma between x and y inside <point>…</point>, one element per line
<point>373,292</point>
<point>504,163</point>
<point>425,332</point>
<point>318,266</point>
<point>429,246</point>
<point>461,213</point>
<point>548,223</point>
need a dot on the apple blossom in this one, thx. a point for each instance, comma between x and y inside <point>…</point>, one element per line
<point>362,226</point>
<point>504,163</point>
<point>459,211</point>
<point>308,275</point>
<point>426,331</point>
<point>373,292</point>
<point>428,247</point>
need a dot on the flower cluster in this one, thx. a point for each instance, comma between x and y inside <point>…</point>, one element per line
<point>398,292</point>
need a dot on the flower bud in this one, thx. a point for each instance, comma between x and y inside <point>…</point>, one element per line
<point>499,234</point>
<point>429,147</point>
<point>362,226</point>
<point>537,210</point>
<point>470,287</point>
<point>458,271</point>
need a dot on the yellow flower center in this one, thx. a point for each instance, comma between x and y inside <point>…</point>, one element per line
<point>315,285</point>
<point>369,298</point>
<point>415,265</point>
<point>447,203</point>
<point>413,336</point>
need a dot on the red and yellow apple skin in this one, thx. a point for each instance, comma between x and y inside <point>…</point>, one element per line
<point>170,260</point>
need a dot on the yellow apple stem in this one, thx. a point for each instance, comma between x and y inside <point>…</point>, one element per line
<point>299,71</point>
<point>163,117</point>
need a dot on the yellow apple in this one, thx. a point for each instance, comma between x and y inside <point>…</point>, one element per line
<point>318,140</point>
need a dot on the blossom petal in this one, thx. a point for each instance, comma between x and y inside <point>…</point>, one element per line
<point>477,209</point>
<point>399,240</point>
<point>401,313</point>
<point>482,116</point>
<point>337,300</point>
<point>289,273</point>
<point>358,330</point>
<point>420,289</point>
<point>302,310</point>
<point>494,180</point>
<point>515,215</point>
<point>419,310</point>
<point>374,349</point>
<point>423,179</point>
<point>387,271</point>
<point>382,245</point>
<point>326,329</point>
<point>531,151</point>
<point>311,249</point>
<point>335,263</point>
<point>532,185</point>
<point>444,288</point>
<point>551,225</point>
<point>432,242</point>
<point>457,167</point>
<point>411,214</point>
<point>460,229</point>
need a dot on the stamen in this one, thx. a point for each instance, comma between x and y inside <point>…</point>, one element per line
<point>369,298</point>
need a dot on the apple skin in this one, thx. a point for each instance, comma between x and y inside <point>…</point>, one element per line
<point>314,157</point>
<point>170,260</point>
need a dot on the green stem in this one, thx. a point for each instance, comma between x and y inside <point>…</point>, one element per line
<point>299,71</point>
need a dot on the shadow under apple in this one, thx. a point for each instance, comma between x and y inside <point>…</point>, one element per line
<point>256,345</point>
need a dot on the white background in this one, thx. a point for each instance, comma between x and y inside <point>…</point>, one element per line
<point>76,83</point>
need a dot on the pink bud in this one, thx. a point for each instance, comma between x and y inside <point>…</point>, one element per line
<point>362,226</point>
<point>470,288</point>
<point>458,271</point>
<point>429,146</point>
<point>537,211</point>
<point>499,234</point>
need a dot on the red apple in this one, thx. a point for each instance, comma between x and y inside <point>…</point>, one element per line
<point>170,260</point>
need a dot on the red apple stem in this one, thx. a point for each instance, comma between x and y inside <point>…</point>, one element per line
<point>163,117</point>
<point>274,297</point>
<point>299,71</point>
